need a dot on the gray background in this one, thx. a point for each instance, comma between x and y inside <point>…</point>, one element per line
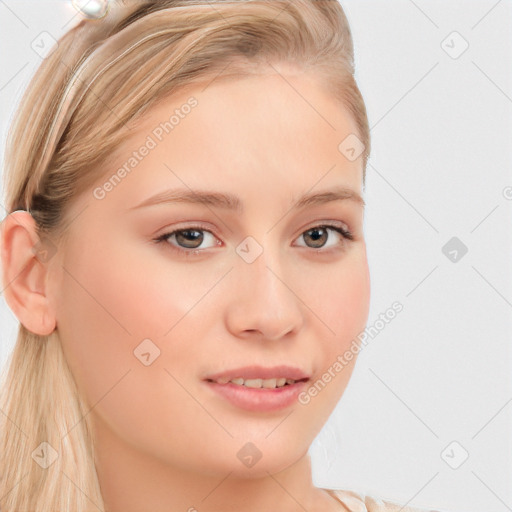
<point>439,374</point>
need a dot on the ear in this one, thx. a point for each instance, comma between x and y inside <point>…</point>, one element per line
<point>24,273</point>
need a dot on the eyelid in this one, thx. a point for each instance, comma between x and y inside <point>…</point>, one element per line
<point>329,224</point>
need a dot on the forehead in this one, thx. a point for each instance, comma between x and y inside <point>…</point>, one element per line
<point>266,132</point>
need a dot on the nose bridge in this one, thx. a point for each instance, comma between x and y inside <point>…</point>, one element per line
<point>265,275</point>
<point>261,276</point>
<point>264,300</point>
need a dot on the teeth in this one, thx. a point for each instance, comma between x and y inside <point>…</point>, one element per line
<point>253,383</point>
<point>258,383</point>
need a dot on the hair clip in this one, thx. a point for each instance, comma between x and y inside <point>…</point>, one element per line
<point>92,9</point>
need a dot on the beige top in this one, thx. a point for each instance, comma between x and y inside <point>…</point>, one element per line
<point>357,502</point>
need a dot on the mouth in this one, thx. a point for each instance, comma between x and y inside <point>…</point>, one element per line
<point>260,376</point>
<point>257,388</point>
<point>272,383</point>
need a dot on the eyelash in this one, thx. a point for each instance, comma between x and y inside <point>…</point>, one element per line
<point>345,233</point>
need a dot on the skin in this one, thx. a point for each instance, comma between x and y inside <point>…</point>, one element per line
<point>164,441</point>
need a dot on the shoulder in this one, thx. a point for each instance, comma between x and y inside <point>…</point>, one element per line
<point>360,502</point>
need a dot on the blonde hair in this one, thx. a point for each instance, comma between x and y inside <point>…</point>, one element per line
<point>102,75</point>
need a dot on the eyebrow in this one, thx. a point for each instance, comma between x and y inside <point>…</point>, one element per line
<point>232,202</point>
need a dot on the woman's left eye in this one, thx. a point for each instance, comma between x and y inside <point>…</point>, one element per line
<point>189,240</point>
<point>319,234</point>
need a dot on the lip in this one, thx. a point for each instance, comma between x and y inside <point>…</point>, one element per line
<point>258,399</point>
<point>261,372</point>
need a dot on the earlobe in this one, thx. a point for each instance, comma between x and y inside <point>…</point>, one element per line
<point>24,275</point>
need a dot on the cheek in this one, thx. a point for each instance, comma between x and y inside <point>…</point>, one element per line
<point>119,290</point>
<point>108,304</point>
<point>112,299</point>
<point>343,301</point>
<point>343,307</point>
<point>353,290</point>
<point>93,319</point>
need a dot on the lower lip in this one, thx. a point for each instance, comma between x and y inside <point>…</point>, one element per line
<point>259,399</point>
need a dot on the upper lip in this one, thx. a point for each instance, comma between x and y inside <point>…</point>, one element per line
<point>261,372</point>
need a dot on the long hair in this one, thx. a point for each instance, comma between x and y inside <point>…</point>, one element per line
<point>102,76</point>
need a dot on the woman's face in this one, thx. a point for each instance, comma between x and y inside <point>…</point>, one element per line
<point>145,323</point>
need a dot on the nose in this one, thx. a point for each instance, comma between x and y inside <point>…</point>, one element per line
<point>263,303</point>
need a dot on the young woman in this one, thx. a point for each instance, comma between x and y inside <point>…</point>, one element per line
<point>184,251</point>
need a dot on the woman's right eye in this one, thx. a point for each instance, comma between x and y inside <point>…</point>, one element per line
<point>189,239</point>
